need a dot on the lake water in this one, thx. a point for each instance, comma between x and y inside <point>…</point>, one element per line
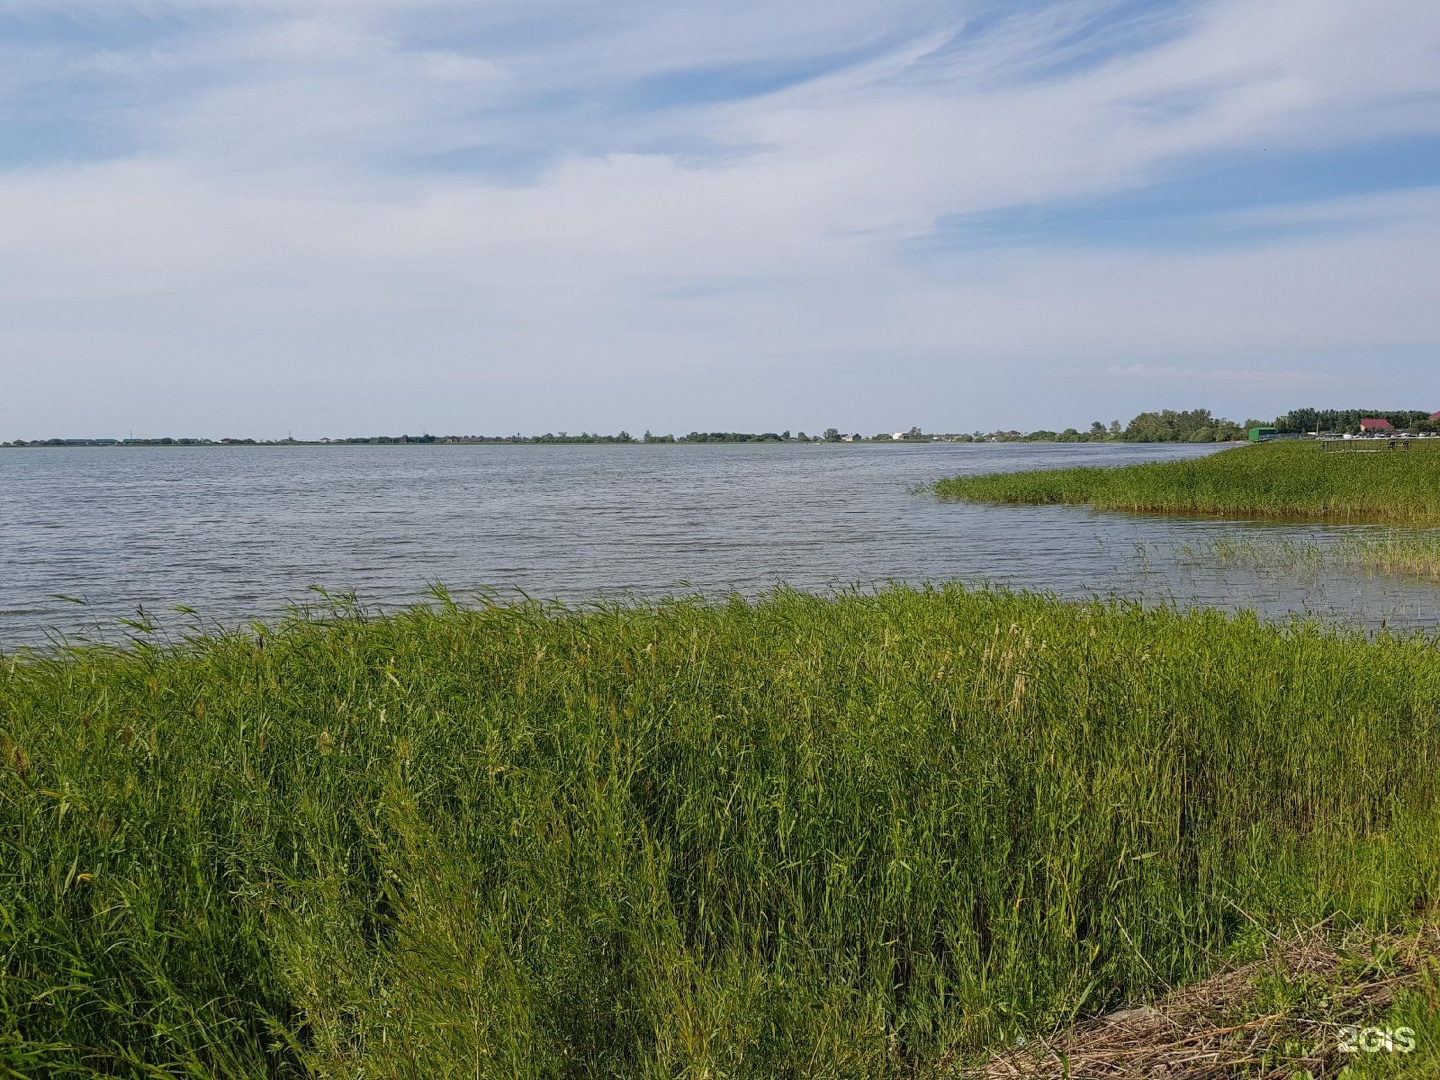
<point>239,533</point>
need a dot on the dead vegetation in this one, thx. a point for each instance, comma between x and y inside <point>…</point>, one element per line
<point>1292,1012</point>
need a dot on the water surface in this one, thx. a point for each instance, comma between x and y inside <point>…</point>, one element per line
<point>240,532</point>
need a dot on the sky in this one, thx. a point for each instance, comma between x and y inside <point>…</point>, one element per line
<point>351,217</point>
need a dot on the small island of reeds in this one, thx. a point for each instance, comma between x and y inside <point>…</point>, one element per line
<point>861,836</point>
<point>1286,479</point>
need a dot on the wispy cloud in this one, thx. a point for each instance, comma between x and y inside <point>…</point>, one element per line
<point>194,193</point>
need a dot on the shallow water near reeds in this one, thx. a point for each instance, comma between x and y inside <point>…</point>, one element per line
<point>240,533</point>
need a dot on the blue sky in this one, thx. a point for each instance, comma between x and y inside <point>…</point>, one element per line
<point>352,216</point>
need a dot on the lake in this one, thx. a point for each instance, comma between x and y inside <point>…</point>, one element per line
<point>239,532</point>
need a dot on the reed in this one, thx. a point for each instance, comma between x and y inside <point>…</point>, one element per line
<point>1276,480</point>
<point>1411,556</point>
<point>861,836</point>
<point>1400,554</point>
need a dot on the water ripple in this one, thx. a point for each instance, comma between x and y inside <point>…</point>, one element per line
<point>241,532</point>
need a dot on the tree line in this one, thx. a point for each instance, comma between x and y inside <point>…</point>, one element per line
<point>1200,426</point>
<point>1347,421</point>
<point>1164,425</point>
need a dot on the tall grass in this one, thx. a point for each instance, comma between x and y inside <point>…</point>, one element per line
<point>859,836</point>
<point>1402,554</point>
<point>1411,556</point>
<point>1280,479</point>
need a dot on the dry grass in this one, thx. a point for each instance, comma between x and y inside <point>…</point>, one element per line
<point>1278,1017</point>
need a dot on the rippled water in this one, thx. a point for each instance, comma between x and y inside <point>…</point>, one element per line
<point>237,533</point>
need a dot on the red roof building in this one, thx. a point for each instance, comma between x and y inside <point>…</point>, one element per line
<point>1435,416</point>
<point>1375,424</point>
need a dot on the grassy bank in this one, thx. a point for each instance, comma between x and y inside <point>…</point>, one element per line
<point>867,836</point>
<point>1281,480</point>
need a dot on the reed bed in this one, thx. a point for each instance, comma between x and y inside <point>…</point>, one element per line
<point>1413,555</point>
<point>1293,480</point>
<point>859,836</point>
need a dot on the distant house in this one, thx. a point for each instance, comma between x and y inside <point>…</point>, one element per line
<point>1435,416</point>
<point>1375,426</point>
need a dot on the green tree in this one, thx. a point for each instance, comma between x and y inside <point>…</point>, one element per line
<point>1168,425</point>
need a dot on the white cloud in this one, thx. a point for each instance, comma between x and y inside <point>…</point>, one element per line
<point>272,221</point>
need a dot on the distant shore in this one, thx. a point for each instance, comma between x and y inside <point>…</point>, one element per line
<point>728,438</point>
<point>1163,426</point>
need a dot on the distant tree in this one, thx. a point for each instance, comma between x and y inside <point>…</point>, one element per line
<point>1343,421</point>
<point>1148,427</point>
<point>1297,420</point>
<point>832,434</point>
<point>1197,425</point>
<point>1097,429</point>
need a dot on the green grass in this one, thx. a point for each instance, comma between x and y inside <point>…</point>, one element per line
<point>1412,555</point>
<point>863,836</point>
<point>1279,480</point>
